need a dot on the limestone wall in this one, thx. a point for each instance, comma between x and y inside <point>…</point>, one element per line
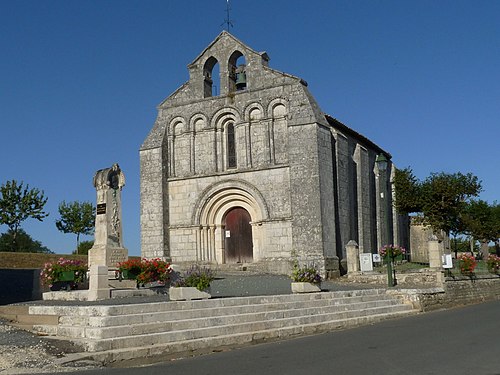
<point>307,180</point>
<point>461,291</point>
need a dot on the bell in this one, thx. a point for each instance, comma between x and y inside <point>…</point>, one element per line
<point>241,81</point>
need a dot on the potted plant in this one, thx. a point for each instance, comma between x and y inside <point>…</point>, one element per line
<point>392,252</point>
<point>305,279</point>
<point>64,274</point>
<point>193,284</point>
<point>493,263</point>
<point>145,270</point>
<point>130,269</point>
<point>467,263</point>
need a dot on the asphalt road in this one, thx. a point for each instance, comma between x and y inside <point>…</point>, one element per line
<point>457,341</point>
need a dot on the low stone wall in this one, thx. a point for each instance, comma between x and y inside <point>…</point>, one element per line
<point>456,291</point>
<point>407,279</point>
<point>463,291</point>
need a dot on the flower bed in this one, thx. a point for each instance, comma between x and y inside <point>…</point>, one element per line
<point>305,274</point>
<point>64,270</point>
<point>467,263</point>
<point>145,270</point>
<point>493,264</point>
<point>197,277</point>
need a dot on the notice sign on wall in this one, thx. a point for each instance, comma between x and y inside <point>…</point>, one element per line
<point>447,261</point>
<point>365,260</point>
<point>228,233</point>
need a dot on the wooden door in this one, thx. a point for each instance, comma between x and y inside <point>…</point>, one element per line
<point>238,236</point>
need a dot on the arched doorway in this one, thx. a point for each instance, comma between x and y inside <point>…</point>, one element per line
<point>238,245</point>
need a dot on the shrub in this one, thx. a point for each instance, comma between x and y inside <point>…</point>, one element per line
<point>197,277</point>
<point>493,263</point>
<point>84,247</point>
<point>467,263</point>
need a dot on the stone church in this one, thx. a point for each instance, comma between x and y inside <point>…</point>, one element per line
<point>243,167</point>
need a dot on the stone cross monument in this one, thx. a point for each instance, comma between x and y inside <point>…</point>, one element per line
<point>108,247</point>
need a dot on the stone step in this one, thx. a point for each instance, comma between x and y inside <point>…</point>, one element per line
<point>101,316</point>
<point>98,344</point>
<point>117,332</point>
<point>200,345</point>
<point>140,317</point>
<point>112,310</point>
<point>20,317</point>
<point>79,325</point>
<point>216,321</point>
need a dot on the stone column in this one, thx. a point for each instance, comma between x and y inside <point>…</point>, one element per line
<point>352,253</point>
<point>108,247</point>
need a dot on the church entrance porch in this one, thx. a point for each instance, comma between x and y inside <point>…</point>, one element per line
<point>238,244</point>
<point>229,218</point>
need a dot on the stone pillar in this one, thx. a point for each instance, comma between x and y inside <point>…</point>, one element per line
<point>98,283</point>
<point>352,252</point>
<point>108,247</point>
<point>435,253</point>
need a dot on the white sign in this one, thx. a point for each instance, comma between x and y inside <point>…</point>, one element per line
<point>365,260</point>
<point>228,233</point>
<point>447,261</point>
<point>376,258</point>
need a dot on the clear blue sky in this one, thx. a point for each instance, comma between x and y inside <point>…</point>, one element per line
<point>80,81</point>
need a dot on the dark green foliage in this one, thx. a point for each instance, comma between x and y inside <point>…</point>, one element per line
<point>77,218</point>
<point>24,243</point>
<point>482,220</point>
<point>407,191</point>
<point>462,245</point>
<point>18,203</point>
<point>441,197</point>
<point>84,247</point>
<point>444,198</point>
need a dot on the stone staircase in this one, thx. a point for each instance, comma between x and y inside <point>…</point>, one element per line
<point>120,332</point>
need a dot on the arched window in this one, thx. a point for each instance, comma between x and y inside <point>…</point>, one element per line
<point>231,147</point>
<point>211,77</point>
<point>237,72</point>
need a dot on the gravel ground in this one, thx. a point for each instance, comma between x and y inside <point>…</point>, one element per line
<point>22,352</point>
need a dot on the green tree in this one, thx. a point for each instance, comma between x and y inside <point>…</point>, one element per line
<point>441,198</point>
<point>407,192</point>
<point>77,218</point>
<point>18,203</point>
<point>482,221</point>
<point>24,243</point>
<point>445,197</point>
<point>84,247</point>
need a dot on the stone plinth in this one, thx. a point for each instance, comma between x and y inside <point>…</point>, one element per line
<point>186,294</point>
<point>298,287</point>
<point>98,284</point>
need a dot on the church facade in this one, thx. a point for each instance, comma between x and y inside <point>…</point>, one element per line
<point>243,167</point>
